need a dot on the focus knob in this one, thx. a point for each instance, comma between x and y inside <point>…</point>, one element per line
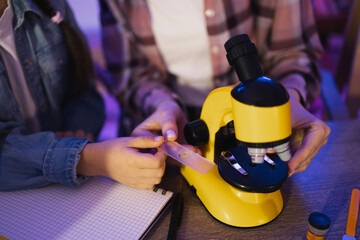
<point>196,132</point>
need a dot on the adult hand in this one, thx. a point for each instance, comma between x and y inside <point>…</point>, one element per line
<point>122,160</point>
<point>168,120</point>
<point>309,135</point>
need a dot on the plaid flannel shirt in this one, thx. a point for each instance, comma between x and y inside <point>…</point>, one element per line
<point>284,32</point>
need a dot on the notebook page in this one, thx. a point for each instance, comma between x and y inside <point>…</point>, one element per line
<point>98,209</point>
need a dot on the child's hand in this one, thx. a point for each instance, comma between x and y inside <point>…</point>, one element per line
<point>121,160</point>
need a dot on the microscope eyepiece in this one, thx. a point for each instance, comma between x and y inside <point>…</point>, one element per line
<point>236,40</point>
<point>239,46</point>
<point>242,55</point>
<point>255,88</point>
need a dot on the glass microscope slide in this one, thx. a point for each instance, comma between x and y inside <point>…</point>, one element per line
<point>186,156</point>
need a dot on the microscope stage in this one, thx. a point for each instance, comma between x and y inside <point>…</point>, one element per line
<point>261,178</point>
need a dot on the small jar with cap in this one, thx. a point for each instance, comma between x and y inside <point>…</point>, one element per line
<point>319,224</point>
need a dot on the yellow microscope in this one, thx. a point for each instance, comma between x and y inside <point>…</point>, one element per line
<point>236,127</point>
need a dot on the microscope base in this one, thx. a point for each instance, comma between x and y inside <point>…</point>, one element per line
<point>231,205</point>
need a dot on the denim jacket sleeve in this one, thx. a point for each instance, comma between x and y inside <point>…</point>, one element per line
<point>35,160</point>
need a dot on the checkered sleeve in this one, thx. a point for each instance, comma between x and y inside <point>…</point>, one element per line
<point>137,69</point>
<point>290,49</point>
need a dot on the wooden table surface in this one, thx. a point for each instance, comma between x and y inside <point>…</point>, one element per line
<point>325,186</point>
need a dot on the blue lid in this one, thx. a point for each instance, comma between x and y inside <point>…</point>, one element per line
<point>319,220</point>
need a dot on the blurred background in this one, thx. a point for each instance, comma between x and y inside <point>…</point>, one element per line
<point>87,16</point>
<point>338,24</point>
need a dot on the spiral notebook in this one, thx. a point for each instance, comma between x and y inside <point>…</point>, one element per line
<point>98,209</point>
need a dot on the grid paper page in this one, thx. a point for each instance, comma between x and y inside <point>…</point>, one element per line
<point>98,209</point>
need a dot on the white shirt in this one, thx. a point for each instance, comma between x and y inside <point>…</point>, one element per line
<point>179,29</point>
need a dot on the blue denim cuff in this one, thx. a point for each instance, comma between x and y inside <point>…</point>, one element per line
<point>61,160</point>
